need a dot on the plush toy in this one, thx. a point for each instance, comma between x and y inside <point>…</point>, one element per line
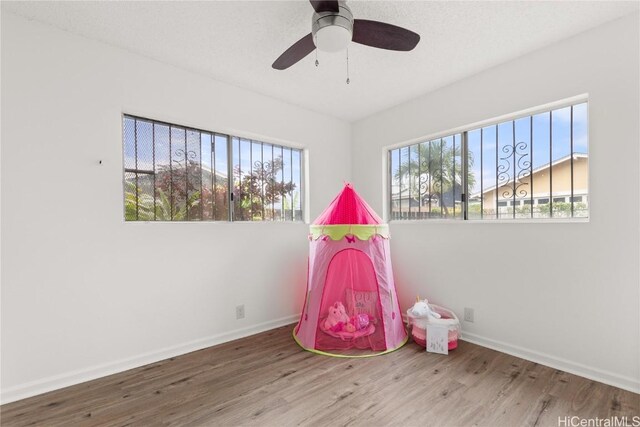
<point>360,321</point>
<point>356,323</point>
<point>422,309</point>
<point>338,327</point>
<point>339,321</point>
<point>337,318</point>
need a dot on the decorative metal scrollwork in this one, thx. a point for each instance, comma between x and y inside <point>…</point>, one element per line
<point>513,167</point>
<point>180,157</point>
<point>423,185</point>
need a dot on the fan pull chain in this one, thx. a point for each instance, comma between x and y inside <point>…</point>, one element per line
<point>348,81</point>
<point>317,63</point>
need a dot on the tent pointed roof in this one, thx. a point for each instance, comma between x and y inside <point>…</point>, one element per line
<point>348,208</point>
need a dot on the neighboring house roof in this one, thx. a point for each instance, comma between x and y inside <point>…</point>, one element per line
<point>399,193</point>
<point>535,171</point>
<point>204,169</point>
<point>404,194</point>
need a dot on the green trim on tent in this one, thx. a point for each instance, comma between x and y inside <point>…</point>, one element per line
<point>361,231</point>
<point>345,356</point>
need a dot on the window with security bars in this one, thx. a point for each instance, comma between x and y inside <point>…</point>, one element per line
<point>176,173</point>
<point>532,167</point>
<point>426,179</point>
<point>267,181</point>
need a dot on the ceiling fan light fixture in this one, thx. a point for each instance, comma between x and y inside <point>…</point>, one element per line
<point>333,28</point>
<point>332,38</point>
<point>332,31</point>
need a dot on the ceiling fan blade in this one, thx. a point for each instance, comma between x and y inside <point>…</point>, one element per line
<point>383,36</point>
<point>295,53</point>
<point>325,6</point>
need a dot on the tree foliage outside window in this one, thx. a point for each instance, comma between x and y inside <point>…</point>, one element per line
<point>174,173</point>
<point>427,179</point>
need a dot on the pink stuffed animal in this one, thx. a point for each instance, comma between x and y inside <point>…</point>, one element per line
<point>357,323</point>
<point>337,317</point>
<point>360,321</point>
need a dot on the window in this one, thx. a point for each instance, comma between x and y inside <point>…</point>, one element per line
<point>267,181</point>
<point>426,179</point>
<point>176,173</point>
<point>534,166</point>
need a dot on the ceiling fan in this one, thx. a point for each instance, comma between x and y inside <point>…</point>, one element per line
<point>333,27</point>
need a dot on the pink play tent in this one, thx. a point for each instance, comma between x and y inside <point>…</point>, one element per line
<point>351,306</point>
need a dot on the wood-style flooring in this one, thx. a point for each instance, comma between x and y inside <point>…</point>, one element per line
<point>267,380</point>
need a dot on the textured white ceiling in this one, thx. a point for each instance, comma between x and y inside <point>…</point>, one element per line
<point>236,42</point>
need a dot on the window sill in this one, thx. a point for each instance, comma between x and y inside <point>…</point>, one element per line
<point>491,221</point>
<point>217,222</point>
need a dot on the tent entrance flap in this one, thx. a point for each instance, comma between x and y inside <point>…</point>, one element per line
<point>350,315</point>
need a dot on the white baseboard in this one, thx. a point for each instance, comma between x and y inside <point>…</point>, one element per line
<point>610,378</point>
<point>626,383</point>
<point>66,379</point>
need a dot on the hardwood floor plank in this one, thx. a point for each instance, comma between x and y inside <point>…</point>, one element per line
<point>267,380</point>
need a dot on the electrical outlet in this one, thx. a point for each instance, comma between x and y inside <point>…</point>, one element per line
<point>468,314</point>
<point>240,312</point>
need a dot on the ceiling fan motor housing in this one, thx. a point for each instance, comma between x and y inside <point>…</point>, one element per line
<point>332,31</point>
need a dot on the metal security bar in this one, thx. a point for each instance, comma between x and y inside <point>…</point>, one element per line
<point>426,179</point>
<point>267,181</point>
<point>533,167</point>
<point>177,173</point>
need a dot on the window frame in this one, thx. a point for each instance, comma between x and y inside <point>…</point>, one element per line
<point>229,136</point>
<point>464,131</point>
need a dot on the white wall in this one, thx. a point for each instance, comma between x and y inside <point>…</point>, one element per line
<point>83,293</point>
<point>580,311</point>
